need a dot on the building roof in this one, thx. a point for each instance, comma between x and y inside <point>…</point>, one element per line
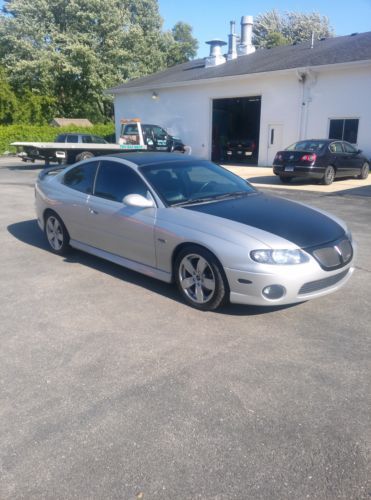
<point>64,122</point>
<point>342,49</point>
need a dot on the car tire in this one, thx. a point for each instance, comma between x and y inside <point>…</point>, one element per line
<point>364,171</point>
<point>329,176</point>
<point>285,180</point>
<point>56,234</point>
<point>200,278</point>
<point>85,155</point>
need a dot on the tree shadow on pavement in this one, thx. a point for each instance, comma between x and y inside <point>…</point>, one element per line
<point>29,233</point>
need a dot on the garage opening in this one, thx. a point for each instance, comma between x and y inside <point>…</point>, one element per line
<point>235,130</point>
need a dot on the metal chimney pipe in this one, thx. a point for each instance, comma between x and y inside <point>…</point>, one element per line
<point>232,43</point>
<point>215,58</point>
<point>246,46</point>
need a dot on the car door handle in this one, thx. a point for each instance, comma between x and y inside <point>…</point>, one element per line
<point>92,211</point>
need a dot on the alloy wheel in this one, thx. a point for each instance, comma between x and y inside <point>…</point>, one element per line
<point>329,175</point>
<point>364,171</point>
<point>197,278</point>
<point>54,233</point>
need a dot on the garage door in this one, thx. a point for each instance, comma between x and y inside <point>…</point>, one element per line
<point>235,130</point>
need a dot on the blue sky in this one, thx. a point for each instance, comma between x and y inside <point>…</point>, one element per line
<point>210,18</point>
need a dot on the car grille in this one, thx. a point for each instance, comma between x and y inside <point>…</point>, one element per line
<point>334,255</point>
<point>315,286</point>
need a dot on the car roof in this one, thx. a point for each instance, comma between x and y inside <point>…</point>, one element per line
<point>153,158</point>
<point>318,140</point>
<point>76,133</point>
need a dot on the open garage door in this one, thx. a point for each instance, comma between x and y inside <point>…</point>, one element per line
<point>235,130</point>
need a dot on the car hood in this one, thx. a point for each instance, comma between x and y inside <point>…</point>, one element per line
<point>300,224</point>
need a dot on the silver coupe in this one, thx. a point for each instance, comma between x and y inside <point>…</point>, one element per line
<point>183,219</point>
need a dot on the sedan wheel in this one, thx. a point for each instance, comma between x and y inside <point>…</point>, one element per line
<point>364,171</point>
<point>200,278</point>
<point>329,176</point>
<point>56,234</point>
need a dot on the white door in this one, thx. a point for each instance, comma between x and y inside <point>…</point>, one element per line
<point>275,135</point>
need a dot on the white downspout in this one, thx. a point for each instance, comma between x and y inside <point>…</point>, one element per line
<point>308,79</point>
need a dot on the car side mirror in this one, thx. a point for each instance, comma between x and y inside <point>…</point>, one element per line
<point>359,151</point>
<point>137,200</point>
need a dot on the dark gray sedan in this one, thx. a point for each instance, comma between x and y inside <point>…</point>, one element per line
<point>321,159</point>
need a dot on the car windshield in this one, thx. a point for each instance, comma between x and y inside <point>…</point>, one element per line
<point>182,183</point>
<point>315,146</point>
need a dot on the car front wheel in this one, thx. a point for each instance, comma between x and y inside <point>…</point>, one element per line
<point>329,176</point>
<point>56,234</point>
<point>364,171</point>
<point>200,278</point>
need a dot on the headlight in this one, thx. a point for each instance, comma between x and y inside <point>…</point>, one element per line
<point>280,257</point>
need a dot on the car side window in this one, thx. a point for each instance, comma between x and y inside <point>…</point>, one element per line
<point>61,138</point>
<point>81,178</point>
<point>336,147</point>
<point>115,181</point>
<point>147,135</point>
<point>348,148</point>
<point>72,138</point>
<point>98,140</point>
<point>86,139</point>
<point>159,133</point>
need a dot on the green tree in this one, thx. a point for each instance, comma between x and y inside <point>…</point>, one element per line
<point>182,45</point>
<point>69,52</point>
<point>275,38</point>
<point>8,101</point>
<point>293,27</point>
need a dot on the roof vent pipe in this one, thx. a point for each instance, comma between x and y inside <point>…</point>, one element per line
<point>215,58</point>
<point>245,46</point>
<point>232,43</point>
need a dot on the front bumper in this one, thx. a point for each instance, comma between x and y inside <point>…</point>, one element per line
<point>300,284</point>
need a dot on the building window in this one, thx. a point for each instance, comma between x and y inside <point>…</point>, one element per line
<point>344,129</point>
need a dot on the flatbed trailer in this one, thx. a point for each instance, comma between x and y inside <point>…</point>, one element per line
<point>62,152</point>
<point>134,136</point>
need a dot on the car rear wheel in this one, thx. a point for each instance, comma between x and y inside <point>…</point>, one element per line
<point>329,176</point>
<point>200,278</point>
<point>364,171</point>
<point>285,180</point>
<point>56,234</point>
<point>85,155</point>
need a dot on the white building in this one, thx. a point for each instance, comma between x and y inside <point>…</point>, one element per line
<point>315,89</point>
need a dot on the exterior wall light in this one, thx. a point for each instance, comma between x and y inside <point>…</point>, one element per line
<point>154,95</point>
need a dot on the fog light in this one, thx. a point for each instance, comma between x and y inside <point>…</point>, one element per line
<point>274,292</point>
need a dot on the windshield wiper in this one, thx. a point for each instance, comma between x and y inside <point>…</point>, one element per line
<point>205,199</point>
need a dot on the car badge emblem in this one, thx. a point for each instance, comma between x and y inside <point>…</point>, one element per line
<point>291,157</point>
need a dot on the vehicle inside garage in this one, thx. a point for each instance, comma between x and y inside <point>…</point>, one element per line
<point>235,130</point>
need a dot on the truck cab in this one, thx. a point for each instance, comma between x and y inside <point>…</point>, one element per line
<point>135,135</point>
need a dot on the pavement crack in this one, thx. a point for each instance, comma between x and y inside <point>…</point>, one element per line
<point>362,269</point>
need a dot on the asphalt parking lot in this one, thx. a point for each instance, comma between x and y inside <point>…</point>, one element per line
<point>112,388</point>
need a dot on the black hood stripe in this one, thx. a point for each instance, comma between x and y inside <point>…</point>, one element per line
<point>303,226</point>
